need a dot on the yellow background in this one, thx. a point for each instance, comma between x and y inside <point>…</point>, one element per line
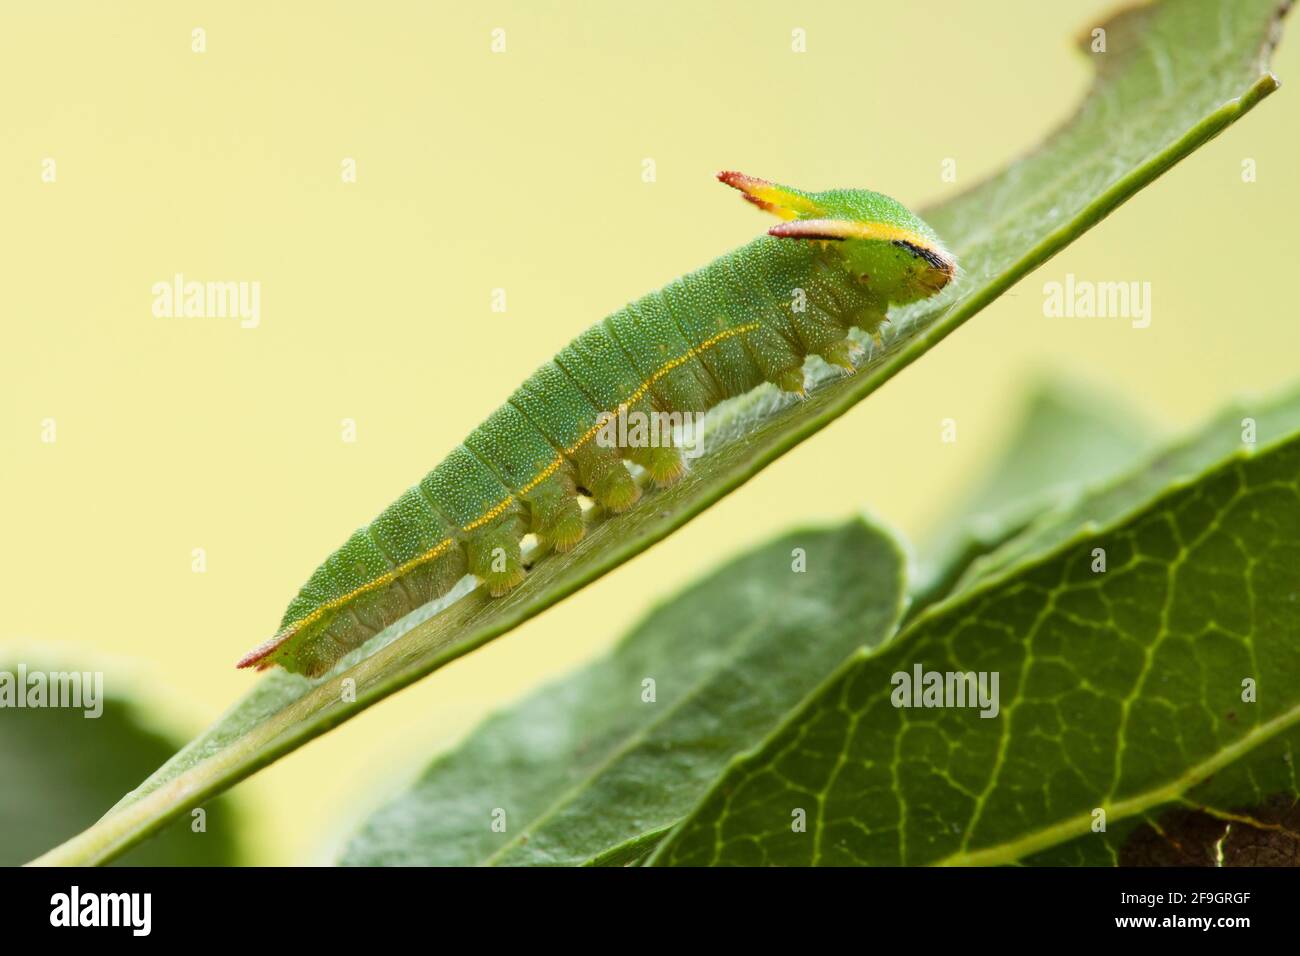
<point>519,170</point>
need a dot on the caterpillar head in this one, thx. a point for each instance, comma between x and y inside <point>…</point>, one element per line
<point>877,239</point>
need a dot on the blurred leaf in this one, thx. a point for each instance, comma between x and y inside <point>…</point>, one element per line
<point>586,771</point>
<point>1120,691</point>
<point>62,770</point>
<point>1174,75</point>
<point>1273,419</point>
<point>1067,438</point>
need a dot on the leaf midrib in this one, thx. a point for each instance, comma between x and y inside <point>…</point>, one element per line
<point>1071,827</point>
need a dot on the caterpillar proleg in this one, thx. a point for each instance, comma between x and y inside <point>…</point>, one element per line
<point>838,260</point>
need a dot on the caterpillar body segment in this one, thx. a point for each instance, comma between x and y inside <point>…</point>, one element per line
<point>702,318</point>
<point>566,416</point>
<point>837,260</point>
<point>513,448</point>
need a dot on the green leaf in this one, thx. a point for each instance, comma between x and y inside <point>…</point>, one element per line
<point>1120,692</point>
<point>1174,75</point>
<point>65,766</point>
<point>1265,420</point>
<point>587,771</point>
<point>1067,439</point>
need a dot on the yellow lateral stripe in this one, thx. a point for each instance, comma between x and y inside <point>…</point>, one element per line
<point>689,354</point>
<point>845,229</point>
<point>491,513</point>
<point>645,386</point>
<point>545,473</point>
<point>667,367</point>
<point>388,577</point>
<point>885,232</point>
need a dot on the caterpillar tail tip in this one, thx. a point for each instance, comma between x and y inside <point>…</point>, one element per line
<point>263,656</point>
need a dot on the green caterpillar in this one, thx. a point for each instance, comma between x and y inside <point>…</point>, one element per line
<point>839,260</point>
